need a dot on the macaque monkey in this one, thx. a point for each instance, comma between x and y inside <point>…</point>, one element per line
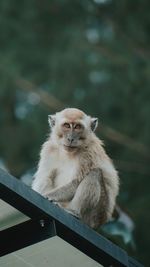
<point>74,170</point>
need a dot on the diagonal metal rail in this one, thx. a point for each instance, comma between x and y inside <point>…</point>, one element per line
<point>48,220</point>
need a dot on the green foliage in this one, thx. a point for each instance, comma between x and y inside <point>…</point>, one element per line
<point>89,54</point>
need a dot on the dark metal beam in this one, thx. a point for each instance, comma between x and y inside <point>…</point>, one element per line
<point>96,248</point>
<point>134,263</point>
<point>20,196</point>
<point>25,234</point>
<point>67,227</point>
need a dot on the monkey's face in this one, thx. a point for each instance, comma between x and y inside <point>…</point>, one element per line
<point>72,135</point>
<point>72,128</point>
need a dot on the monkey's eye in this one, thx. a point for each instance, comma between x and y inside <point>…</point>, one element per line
<point>78,126</point>
<point>66,125</point>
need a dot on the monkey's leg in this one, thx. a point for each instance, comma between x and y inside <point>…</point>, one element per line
<point>87,195</point>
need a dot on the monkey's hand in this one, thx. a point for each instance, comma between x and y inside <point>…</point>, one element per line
<point>64,193</point>
<point>51,198</point>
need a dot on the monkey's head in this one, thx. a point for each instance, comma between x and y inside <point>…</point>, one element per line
<point>72,128</point>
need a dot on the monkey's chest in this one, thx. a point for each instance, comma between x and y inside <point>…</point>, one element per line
<point>65,174</point>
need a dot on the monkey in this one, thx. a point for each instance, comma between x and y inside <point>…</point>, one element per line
<point>74,171</point>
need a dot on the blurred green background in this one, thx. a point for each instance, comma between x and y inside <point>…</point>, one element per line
<point>93,55</point>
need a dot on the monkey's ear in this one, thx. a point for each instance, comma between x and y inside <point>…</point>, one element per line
<point>51,120</point>
<point>94,124</point>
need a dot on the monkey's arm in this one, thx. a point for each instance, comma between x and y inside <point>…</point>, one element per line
<point>64,193</point>
<point>43,178</point>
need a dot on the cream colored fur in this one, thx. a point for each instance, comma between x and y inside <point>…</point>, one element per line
<point>62,171</point>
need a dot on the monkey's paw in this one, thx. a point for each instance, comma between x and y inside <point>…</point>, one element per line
<point>48,197</point>
<point>51,199</point>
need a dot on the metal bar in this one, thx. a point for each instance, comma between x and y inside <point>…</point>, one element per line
<point>97,253</point>
<point>68,227</point>
<point>134,263</point>
<point>20,196</point>
<point>25,234</point>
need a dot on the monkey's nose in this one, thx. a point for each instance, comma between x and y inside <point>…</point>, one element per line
<point>70,139</point>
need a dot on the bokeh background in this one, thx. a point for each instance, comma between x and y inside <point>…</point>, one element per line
<point>89,54</point>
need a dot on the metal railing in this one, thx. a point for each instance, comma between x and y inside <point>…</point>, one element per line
<point>48,220</point>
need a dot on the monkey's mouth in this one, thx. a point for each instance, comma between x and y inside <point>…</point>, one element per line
<point>70,147</point>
